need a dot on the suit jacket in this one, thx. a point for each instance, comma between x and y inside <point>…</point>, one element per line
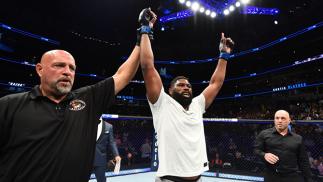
<point>106,139</point>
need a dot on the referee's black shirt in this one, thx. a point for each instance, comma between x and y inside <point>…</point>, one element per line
<point>289,149</point>
<point>42,141</point>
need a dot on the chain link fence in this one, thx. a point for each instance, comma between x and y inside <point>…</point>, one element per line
<point>229,144</point>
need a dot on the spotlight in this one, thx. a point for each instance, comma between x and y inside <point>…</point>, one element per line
<point>231,8</point>
<point>202,9</point>
<point>195,6</point>
<point>207,12</point>
<point>188,3</point>
<point>162,29</point>
<point>245,1</point>
<point>238,4</point>
<point>182,1</point>
<point>213,14</point>
<point>226,12</point>
<point>276,22</point>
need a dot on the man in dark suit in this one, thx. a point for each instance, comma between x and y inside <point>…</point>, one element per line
<point>100,160</point>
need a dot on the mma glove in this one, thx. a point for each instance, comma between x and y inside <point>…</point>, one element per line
<point>144,19</point>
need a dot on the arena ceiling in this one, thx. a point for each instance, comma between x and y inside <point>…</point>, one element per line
<point>73,22</point>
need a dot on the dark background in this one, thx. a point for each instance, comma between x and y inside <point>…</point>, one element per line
<point>114,23</point>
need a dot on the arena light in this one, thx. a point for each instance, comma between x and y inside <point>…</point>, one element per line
<point>226,8</point>
<point>226,12</point>
<point>297,85</point>
<point>231,8</point>
<point>4,26</point>
<point>260,11</point>
<point>188,3</point>
<point>15,84</point>
<point>296,63</point>
<point>182,1</point>
<point>229,120</point>
<point>188,13</point>
<point>234,96</point>
<point>137,81</point>
<point>245,1</point>
<point>176,16</point>
<point>195,6</point>
<point>124,172</point>
<point>248,75</point>
<point>268,91</point>
<point>240,177</point>
<point>208,12</point>
<point>27,63</point>
<point>213,14</point>
<point>202,9</point>
<point>109,116</point>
